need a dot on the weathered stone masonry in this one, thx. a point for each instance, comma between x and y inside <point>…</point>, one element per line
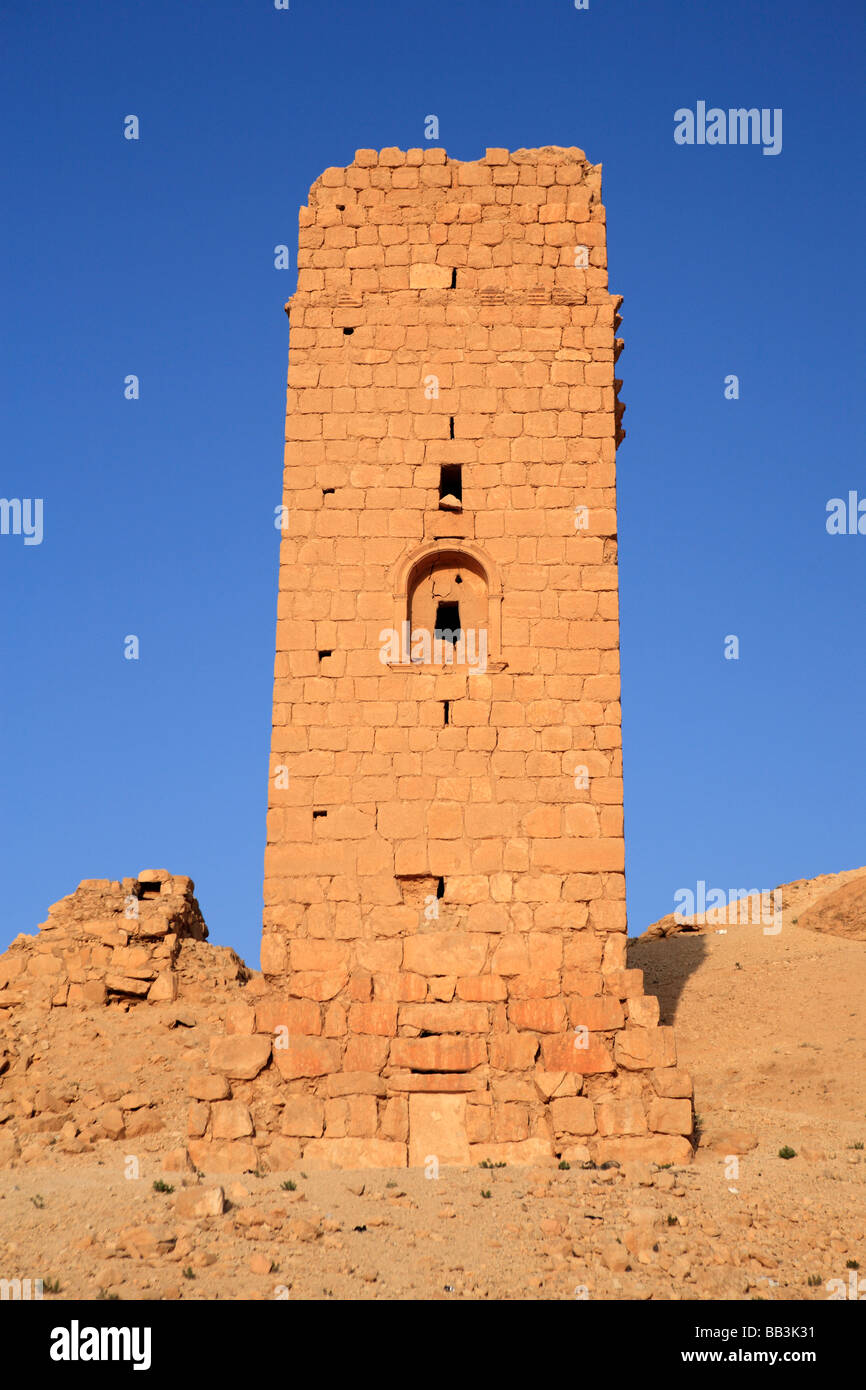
<point>444,929</point>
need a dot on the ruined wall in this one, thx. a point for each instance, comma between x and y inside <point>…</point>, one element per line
<point>444,926</point>
<point>109,942</point>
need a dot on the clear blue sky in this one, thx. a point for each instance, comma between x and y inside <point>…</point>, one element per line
<point>156,258</point>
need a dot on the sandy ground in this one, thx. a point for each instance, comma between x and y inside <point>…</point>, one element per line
<point>772,1028</point>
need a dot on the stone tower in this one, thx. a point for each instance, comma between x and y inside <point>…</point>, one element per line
<point>444,929</point>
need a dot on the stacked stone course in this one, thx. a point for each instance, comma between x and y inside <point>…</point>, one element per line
<point>444,928</point>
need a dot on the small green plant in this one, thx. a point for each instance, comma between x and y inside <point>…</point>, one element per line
<point>787,1152</point>
<point>564,1165</point>
<point>813,1281</point>
<point>38,1201</point>
<point>485,1192</point>
<point>852,1264</point>
<point>189,1272</point>
<point>662,1166</point>
<point>390,1184</point>
<point>259,1173</point>
<point>858,1144</point>
<point>303,1175</point>
<point>110,1297</point>
<point>160,1186</point>
<point>51,1285</point>
<point>486,1163</point>
<point>672,1220</point>
<point>288,1185</point>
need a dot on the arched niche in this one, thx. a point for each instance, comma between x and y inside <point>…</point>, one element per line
<point>447,600</point>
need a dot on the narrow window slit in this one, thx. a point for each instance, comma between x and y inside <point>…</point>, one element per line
<point>451,426</point>
<point>440,888</point>
<point>446,709</point>
<point>454,278</point>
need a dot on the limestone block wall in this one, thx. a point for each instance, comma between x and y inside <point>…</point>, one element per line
<point>444,925</point>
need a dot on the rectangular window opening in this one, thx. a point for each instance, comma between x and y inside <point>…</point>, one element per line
<point>317,815</point>
<point>454,278</point>
<point>447,627</point>
<point>326,491</point>
<point>446,709</point>
<point>451,426</point>
<point>451,485</point>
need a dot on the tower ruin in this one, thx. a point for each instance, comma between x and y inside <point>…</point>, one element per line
<point>445,927</point>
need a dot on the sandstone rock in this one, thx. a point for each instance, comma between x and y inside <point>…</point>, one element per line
<point>239,1058</point>
<point>194,1203</point>
<point>127,984</point>
<point>303,1116</point>
<point>672,1083</point>
<point>653,1148</point>
<point>111,1122</point>
<point>525,1151</point>
<point>164,988</point>
<point>283,1155</point>
<point>143,1122</point>
<point>197,1119</point>
<point>203,1086</point>
<point>231,1119</point>
<point>670,1116</point>
<point>229,1156</point>
<point>636,1048</point>
<point>307,1057</point>
<point>133,1100</point>
<point>145,1242</point>
<point>437,1125</point>
<point>573,1115</point>
<point>354,1153</point>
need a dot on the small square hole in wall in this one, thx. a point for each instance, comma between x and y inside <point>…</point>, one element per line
<point>348,331</point>
<point>323,654</point>
<point>327,491</point>
<point>318,815</point>
<point>418,890</point>
<point>147,889</point>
